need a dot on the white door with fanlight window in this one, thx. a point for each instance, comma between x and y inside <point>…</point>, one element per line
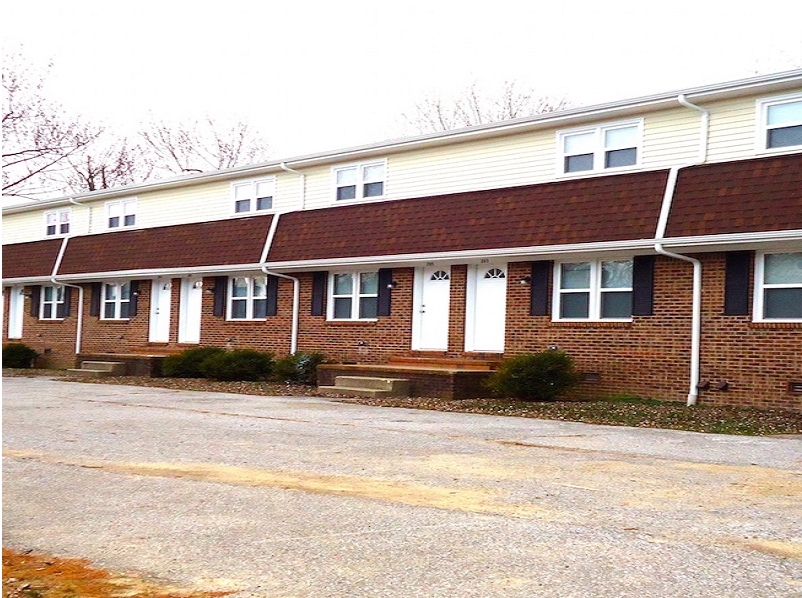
<point>160,299</point>
<point>486,308</point>
<point>189,310</point>
<point>430,316</point>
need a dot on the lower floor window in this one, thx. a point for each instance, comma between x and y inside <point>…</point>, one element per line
<point>354,296</point>
<point>52,303</point>
<point>597,290</point>
<point>116,301</point>
<point>780,286</point>
<point>248,298</point>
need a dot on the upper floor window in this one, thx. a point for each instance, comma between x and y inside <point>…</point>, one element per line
<point>254,196</point>
<point>52,303</point>
<point>121,213</point>
<point>116,301</point>
<point>778,281</point>
<point>247,298</point>
<point>354,296</point>
<point>598,290</point>
<point>359,181</point>
<point>781,123</point>
<point>57,222</point>
<point>600,148</point>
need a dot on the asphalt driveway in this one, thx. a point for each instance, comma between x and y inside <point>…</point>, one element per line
<point>308,497</point>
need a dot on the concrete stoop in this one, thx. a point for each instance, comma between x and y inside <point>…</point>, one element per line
<point>99,369</point>
<point>367,386</point>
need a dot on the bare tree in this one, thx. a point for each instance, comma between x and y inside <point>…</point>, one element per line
<point>38,136</point>
<point>475,106</point>
<point>200,146</point>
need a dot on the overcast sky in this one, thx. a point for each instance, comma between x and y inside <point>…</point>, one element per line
<point>319,75</point>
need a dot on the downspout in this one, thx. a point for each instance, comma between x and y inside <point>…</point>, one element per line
<point>80,321</point>
<point>659,236</point>
<point>301,183</point>
<point>296,283</point>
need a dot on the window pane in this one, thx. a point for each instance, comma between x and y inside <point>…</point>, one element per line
<point>239,287</point>
<point>785,137</point>
<point>622,157</point>
<point>108,310</point>
<point>130,220</point>
<point>369,283</point>
<point>343,284</point>
<point>574,305</point>
<point>264,203</point>
<point>342,308</point>
<point>239,308</point>
<point>783,303</point>
<point>111,292</point>
<point>575,276</point>
<point>48,293</point>
<point>51,218</point>
<point>115,210</point>
<point>579,163</point>
<point>373,189</point>
<point>368,307</point>
<point>114,222</point>
<point>51,230</point>
<point>264,189</point>
<point>616,305</point>
<point>346,177</point>
<point>346,192</point>
<point>260,287</point>
<point>47,311</point>
<point>374,173</point>
<point>60,294</point>
<point>581,143</point>
<point>125,291</point>
<point>620,138</point>
<point>125,309</point>
<point>260,308</point>
<point>64,228</point>
<point>617,275</point>
<point>243,205</point>
<point>788,112</point>
<point>783,268</point>
<point>242,191</point>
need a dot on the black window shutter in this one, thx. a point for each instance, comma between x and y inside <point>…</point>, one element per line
<point>64,308</point>
<point>36,297</point>
<point>272,295</point>
<point>319,280</point>
<point>220,295</point>
<point>736,283</point>
<point>133,301</point>
<point>643,285</point>
<point>94,299</point>
<point>385,291</point>
<point>539,288</point>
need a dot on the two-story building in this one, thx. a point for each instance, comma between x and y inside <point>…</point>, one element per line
<point>658,241</point>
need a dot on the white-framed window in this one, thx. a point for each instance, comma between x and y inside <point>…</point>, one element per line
<point>595,149</point>
<point>778,287</point>
<point>354,296</point>
<point>360,181</point>
<point>121,213</point>
<point>253,196</point>
<point>780,123</point>
<point>247,298</point>
<point>593,290</point>
<point>51,303</point>
<point>116,301</point>
<point>57,222</point>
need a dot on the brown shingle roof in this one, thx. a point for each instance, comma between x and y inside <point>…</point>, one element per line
<point>747,196</point>
<point>220,242</point>
<point>609,208</point>
<point>34,259</point>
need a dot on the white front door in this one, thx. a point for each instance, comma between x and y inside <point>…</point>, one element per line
<point>486,308</point>
<point>160,295</point>
<point>189,312</point>
<point>430,317</point>
<point>16,307</point>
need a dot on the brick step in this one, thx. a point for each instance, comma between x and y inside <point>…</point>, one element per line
<point>99,369</point>
<point>369,386</point>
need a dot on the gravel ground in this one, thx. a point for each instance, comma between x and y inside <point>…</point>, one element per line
<point>305,496</point>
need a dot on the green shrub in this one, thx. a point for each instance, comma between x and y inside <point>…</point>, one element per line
<point>543,376</point>
<point>189,363</point>
<point>300,368</point>
<point>18,355</point>
<point>240,364</point>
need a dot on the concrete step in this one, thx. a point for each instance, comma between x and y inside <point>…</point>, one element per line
<point>392,385</point>
<point>360,392</point>
<point>99,369</point>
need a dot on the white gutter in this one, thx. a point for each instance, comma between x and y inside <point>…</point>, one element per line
<point>301,182</point>
<point>80,321</point>
<point>296,283</point>
<point>662,223</point>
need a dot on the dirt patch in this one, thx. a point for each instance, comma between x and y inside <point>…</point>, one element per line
<point>29,575</point>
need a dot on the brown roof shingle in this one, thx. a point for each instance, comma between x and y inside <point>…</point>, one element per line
<point>609,208</point>
<point>33,259</point>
